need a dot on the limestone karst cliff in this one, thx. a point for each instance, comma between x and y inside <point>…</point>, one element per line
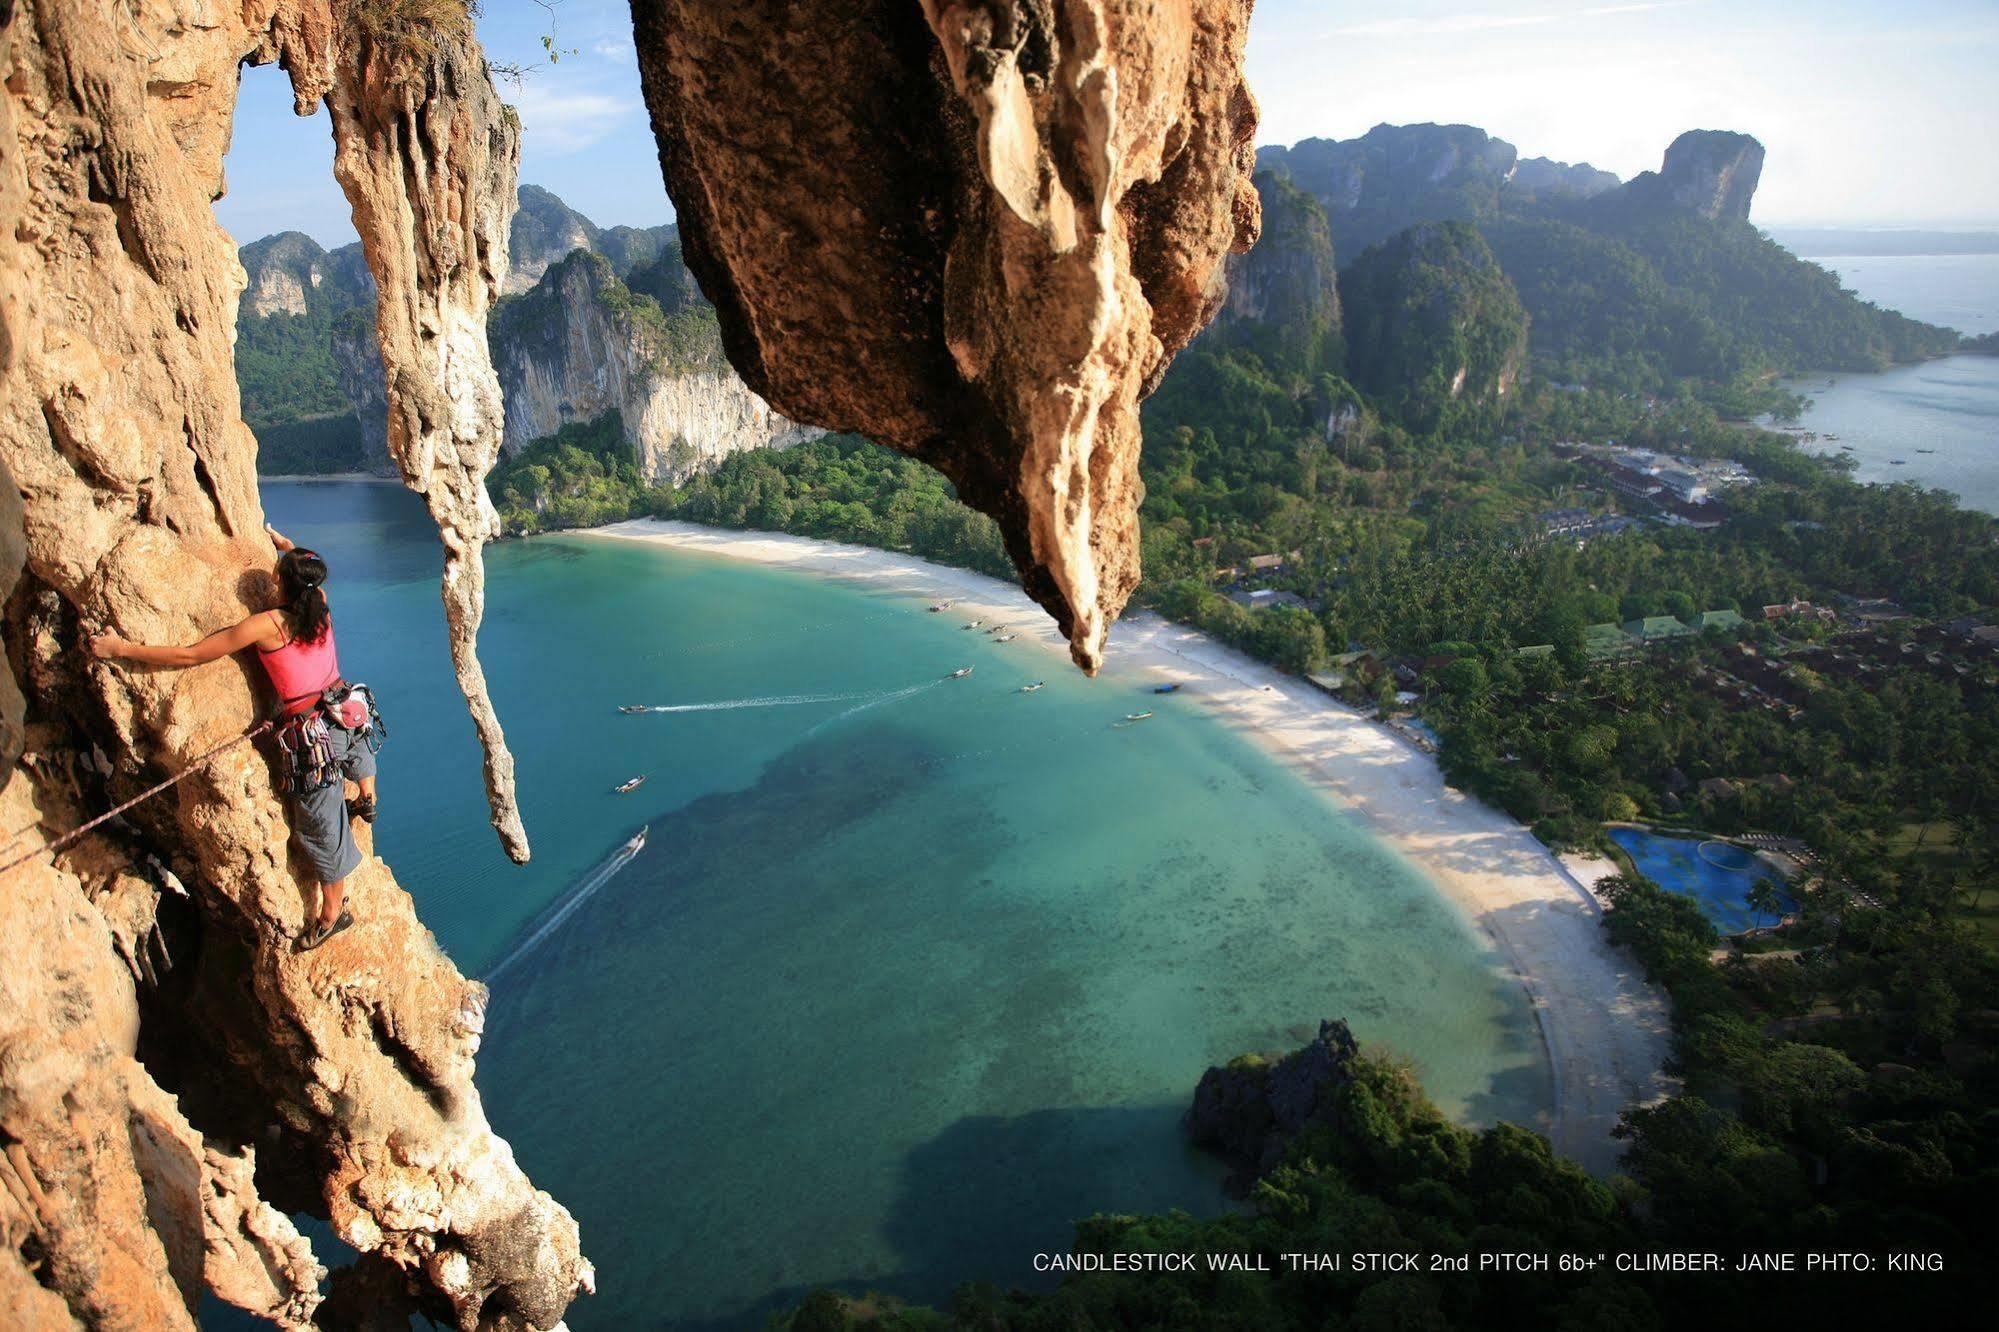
<point>358,361</point>
<point>590,330</point>
<point>1710,172</point>
<point>1395,176</point>
<point>174,1079</point>
<point>546,231</point>
<point>581,343</point>
<point>1543,177</point>
<point>1433,325</point>
<point>1283,295</point>
<point>976,230</point>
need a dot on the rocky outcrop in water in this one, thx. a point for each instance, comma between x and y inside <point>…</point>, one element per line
<point>1710,172</point>
<point>972,229</point>
<point>582,343</point>
<point>174,1079</point>
<point>1251,1109</point>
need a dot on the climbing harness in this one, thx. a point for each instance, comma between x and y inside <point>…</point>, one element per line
<point>306,761</point>
<point>70,838</point>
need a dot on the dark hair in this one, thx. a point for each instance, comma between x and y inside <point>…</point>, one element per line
<point>301,575</point>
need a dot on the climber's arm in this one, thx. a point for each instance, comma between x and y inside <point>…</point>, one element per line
<point>256,630</point>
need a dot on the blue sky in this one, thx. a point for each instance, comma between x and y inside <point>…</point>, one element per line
<point>1874,114</point>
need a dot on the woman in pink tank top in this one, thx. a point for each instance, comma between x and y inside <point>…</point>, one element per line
<point>295,643</point>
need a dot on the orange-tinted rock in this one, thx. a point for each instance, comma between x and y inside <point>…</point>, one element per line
<point>976,230</point>
<point>154,1046</point>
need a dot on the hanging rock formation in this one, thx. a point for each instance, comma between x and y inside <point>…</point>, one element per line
<point>174,1079</point>
<point>977,230</point>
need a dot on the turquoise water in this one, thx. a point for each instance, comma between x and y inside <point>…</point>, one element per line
<point>1681,865</point>
<point>1949,406</point>
<point>906,978</point>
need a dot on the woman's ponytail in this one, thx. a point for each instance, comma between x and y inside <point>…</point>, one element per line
<point>302,577</point>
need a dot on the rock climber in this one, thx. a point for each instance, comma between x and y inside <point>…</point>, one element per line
<point>294,641</point>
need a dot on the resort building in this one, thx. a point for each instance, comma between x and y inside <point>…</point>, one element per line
<point>1607,640</point>
<point>1656,629</point>
<point>1263,598</point>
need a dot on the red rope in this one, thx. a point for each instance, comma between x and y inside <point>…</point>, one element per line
<point>69,838</point>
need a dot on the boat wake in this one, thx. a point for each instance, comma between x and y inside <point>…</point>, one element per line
<point>551,918</point>
<point>770,701</point>
<point>878,700</point>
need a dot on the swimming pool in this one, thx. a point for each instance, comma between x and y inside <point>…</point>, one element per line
<point>1718,875</point>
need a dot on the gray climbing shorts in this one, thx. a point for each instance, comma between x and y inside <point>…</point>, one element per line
<point>320,826</point>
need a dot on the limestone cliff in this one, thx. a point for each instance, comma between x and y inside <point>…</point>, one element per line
<point>1283,295</point>
<point>174,1079</point>
<point>1433,323</point>
<point>283,271</point>
<point>1395,176</point>
<point>1543,177</point>
<point>976,230</point>
<point>1710,172</point>
<point>581,343</point>
<point>546,230</point>
<point>358,359</point>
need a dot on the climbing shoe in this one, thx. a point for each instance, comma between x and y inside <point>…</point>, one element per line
<point>316,936</point>
<point>363,808</point>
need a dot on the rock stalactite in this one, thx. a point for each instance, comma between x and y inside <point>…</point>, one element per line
<point>174,1079</point>
<point>428,159</point>
<point>977,230</point>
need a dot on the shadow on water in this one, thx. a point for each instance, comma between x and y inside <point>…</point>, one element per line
<point>980,1200</point>
<point>819,1033</point>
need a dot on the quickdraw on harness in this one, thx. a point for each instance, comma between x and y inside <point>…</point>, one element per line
<point>306,761</point>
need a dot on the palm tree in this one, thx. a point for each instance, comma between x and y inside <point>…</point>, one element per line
<point>1763,899</point>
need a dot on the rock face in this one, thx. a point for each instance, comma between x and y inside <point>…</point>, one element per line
<point>174,1079</point>
<point>1544,177</point>
<point>1395,176</point>
<point>546,230</point>
<point>1251,1109</point>
<point>405,113</point>
<point>581,344</point>
<point>358,358</point>
<point>285,271</point>
<point>280,270</point>
<point>1285,291</point>
<point>1431,320</point>
<point>976,230</point>
<point>1710,172</point>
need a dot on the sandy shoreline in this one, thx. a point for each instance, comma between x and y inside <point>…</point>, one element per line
<point>1604,1027</point>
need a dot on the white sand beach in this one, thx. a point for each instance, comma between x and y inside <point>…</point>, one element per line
<point>1605,1027</point>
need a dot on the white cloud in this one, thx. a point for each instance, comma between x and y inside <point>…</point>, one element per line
<point>1446,24</point>
<point>619,51</point>
<point>564,122</point>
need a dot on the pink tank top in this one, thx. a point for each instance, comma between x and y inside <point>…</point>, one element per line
<point>300,670</point>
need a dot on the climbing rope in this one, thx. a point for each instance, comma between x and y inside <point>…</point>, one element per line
<point>70,838</point>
